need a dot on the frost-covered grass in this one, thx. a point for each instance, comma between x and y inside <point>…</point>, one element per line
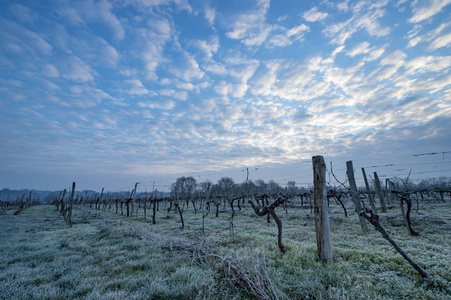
<point>106,256</point>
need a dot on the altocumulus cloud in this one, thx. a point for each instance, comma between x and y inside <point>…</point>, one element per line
<point>148,88</point>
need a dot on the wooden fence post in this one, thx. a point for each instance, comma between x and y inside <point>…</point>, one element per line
<point>355,194</point>
<point>379,192</point>
<point>368,191</point>
<point>323,240</point>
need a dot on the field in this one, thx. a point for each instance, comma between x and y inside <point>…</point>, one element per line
<point>109,256</point>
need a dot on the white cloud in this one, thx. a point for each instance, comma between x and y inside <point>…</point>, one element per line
<point>223,88</point>
<point>365,15</point>
<point>146,4</point>
<point>154,39</point>
<point>430,84</point>
<point>251,28</point>
<point>298,30</point>
<point>51,86</point>
<point>361,48</point>
<point>185,86</point>
<point>343,6</point>
<point>86,96</point>
<point>15,35</point>
<point>23,13</point>
<point>279,40</point>
<point>427,10</point>
<point>70,14</point>
<point>434,36</point>
<point>313,15</point>
<point>74,68</point>
<point>215,68</point>
<point>158,104</point>
<point>137,87</point>
<point>210,15</point>
<point>401,2</point>
<point>339,76</point>
<point>166,92</point>
<point>441,41</point>
<point>340,32</point>
<point>285,36</point>
<point>375,54</point>
<point>241,71</point>
<point>49,70</point>
<point>240,89</point>
<point>209,47</point>
<point>395,58</point>
<point>245,72</point>
<point>424,64</point>
<point>111,56</point>
<point>257,35</point>
<point>181,95</point>
<point>91,11</point>
<point>263,82</point>
<point>414,41</point>
<point>104,9</point>
<point>186,68</point>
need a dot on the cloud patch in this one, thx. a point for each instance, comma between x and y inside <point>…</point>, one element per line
<point>314,15</point>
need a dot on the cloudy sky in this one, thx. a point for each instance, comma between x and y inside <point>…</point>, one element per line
<point>110,92</point>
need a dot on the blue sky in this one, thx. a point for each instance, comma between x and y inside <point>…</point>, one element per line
<point>107,93</point>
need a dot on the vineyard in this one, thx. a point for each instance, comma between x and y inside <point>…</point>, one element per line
<point>252,240</point>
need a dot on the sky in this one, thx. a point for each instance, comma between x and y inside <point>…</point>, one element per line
<point>108,93</point>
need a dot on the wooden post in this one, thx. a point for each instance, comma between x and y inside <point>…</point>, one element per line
<point>387,190</point>
<point>134,196</point>
<point>62,201</point>
<point>323,240</point>
<point>101,195</point>
<point>379,192</point>
<point>355,194</point>
<point>392,194</point>
<point>368,191</point>
<point>71,203</point>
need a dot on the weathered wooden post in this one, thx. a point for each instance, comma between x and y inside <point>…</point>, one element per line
<point>355,194</point>
<point>387,190</point>
<point>393,196</point>
<point>71,203</point>
<point>323,240</point>
<point>134,196</point>
<point>100,200</point>
<point>379,192</point>
<point>29,200</point>
<point>62,201</point>
<point>368,191</point>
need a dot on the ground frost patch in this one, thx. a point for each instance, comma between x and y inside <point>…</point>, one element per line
<point>108,256</point>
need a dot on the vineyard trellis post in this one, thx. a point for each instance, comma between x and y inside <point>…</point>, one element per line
<point>134,196</point>
<point>387,190</point>
<point>355,194</point>
<point>368,191</point>
<point>379,192</point>
<point>323,239</point>
<point>71,204</point>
